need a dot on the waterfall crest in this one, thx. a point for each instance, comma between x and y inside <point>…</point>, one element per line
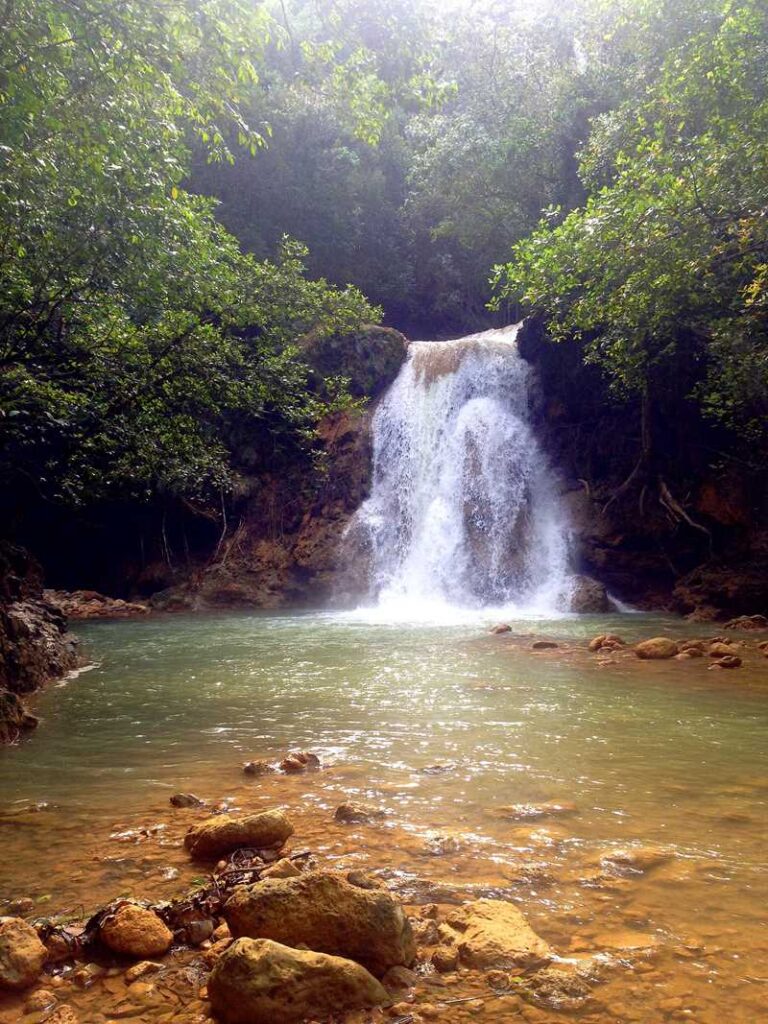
<point>464,509</point>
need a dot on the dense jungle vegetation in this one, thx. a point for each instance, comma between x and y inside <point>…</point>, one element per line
<point>187,187</point>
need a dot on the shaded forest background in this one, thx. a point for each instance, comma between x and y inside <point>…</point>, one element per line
<point>189,188</point>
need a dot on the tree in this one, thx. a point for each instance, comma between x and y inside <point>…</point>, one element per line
<point>663,270</point>
<point>130,322</point>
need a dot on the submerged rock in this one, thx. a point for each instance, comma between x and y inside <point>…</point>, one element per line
<point>186,800</point>
<point>534,812</point>
<point>323,911</point>
<point>22,954</point>
<point>141,970</point>
<point>728,661</point>
<point>40,1000</point>
<point>635,859</point>
<point>501,628</point>
<point>607,642</point>
<point>135,931</point>
<point>357,814</point>
<point>258,768</point>
<point>299,761</point>
<point>564,990</point>
<point>494,933</point>
<point>657,648</point>
<point>223,833</point>
<point>543,645</point>
<point>258,981</point>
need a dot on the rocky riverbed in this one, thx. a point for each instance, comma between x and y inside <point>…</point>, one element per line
<point>459,866</point>
<point>261,907</point>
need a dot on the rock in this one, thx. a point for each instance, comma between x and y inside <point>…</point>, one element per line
<point>607,641</point>
<point>223,833</point>
<point>588,596</point>
<point>362,880</point>
<point>198,931</point>
<point>494,933</point>
<point>90,604</point>
<point>691,652</point>
<point>445,959</point>
<point>370,357</point>
<point>63,1015</point>
<point>656,648</point>
<point>501,628</point>
<point>22,954</point>
<point>562,989</point>
<point>186,800</point>
<point>543,645</point>
<point>258,768</point>
<point>747,622</point>
<point>39,1001</point>
<point>733,588</point>
<point>729,661</point>
<point>299,761</point>
<point>533,812</point>
<point>439,769</point>
<point>135,931</point>
<point>697,646</point>
<point>34,644</point>
<point>498,980</point>
<point>720,650</point>
<point>323,911</point>
<point>141,970</point>
<point>426,933</point>
<point>635,859</point>
<point>58,949</point>
<point>283,868</point>
<point>258,981</point>
<point>20,906</point>
<point>212,954</point>
<point>438,845</point>
<point>357,814</point>
<point>85,976</point>
<point>14,717</point>
<point>398,978</point>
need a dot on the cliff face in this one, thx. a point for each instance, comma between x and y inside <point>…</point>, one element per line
<point>684,528</point>
<point>34,644</point>
<point>284,548</point>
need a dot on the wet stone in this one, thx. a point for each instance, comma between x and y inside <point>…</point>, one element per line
<point>258,768</point>
<point>22,954</point>
<point>186,800</point>
<point>357,814</point>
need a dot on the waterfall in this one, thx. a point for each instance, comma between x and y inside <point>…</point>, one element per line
<point>464,510</point>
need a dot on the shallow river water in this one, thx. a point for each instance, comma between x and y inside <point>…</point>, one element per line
<point>443,727</point>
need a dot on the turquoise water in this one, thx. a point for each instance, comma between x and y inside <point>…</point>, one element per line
<point>176,700</point>
<point>667,754</point>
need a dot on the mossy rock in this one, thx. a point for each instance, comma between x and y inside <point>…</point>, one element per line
<point>369,357</point>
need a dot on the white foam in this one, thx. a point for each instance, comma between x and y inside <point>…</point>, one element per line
<point>464,521</point>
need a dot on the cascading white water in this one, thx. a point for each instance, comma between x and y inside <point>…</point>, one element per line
<point>464,510</point>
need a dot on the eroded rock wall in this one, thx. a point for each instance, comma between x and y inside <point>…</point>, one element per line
<point>689,531</point>
<point>35,646</point>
